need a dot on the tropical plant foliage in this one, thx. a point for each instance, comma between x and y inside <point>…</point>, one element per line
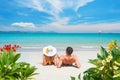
<point>10,69</point>
<point>73,78</point>
<point>107,64</point>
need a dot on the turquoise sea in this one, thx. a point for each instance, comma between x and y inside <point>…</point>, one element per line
<point>36,41</point>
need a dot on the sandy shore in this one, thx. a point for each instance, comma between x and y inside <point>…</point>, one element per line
<point>53,73</point>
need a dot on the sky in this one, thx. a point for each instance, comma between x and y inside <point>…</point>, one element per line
<point>62,16</point>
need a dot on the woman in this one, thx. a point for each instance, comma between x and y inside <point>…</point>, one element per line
<point>49,55</point>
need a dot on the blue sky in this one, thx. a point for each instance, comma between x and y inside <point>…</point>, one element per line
<point>60,15</point>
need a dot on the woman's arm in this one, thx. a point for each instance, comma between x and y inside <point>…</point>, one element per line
<point>60,62</point>
<point>44,60</point>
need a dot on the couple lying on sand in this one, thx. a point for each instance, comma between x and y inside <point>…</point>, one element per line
<point>50,56</point>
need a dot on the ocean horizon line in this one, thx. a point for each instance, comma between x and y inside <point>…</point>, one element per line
<point>59,32</point>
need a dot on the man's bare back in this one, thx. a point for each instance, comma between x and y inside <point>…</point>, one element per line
<point>68,59</point>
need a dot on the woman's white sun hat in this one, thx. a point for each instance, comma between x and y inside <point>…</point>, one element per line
<point>49,51</point>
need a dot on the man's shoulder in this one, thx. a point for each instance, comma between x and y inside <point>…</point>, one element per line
<point>62,56</point>
<point>73,55</point>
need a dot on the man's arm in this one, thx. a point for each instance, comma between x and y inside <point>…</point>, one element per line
<point>55,60</point>
<point>77,62</point>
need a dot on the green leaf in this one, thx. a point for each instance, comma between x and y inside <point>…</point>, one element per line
<point>104,53</point>
<point>79,77</point>
<point>4,58</point>
<point>72,78</point>
<point>94,62</point>
<point>100,57</point>
<point>17,56</point>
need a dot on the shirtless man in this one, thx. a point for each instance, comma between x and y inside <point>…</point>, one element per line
<point>68,59</point>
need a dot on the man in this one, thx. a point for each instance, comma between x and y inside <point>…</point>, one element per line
<point>68,59</point>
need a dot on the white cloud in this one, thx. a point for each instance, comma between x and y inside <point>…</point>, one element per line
<point>74,4</point>
<point>80,3</point>
<point>80,28</point>
<point>105,27</point>
<point>53,7</point>
<point>24,24</point>
<point>56,6</point>
<point>47,6</point>
<point>60,24</point>
<point>34,4</point>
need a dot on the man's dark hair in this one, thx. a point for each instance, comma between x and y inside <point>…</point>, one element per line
<point>69,50</point>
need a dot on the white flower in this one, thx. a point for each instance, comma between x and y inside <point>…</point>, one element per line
<point>9,67</point>
<point>115,67</point>
<point>109,58</point>
<point>25,66</point>
<point>117,47</point>
<point>117,75</point>
<point>110,68</point>
<point>101,68</point>
<point>5,66</point>
<point>117,63</point>
<point>103,62</point>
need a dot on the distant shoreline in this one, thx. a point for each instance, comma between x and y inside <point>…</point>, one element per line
<point>58,32</point>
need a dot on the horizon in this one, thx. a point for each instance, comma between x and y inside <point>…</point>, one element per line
<point>60,16</point>
<point>51,32</point>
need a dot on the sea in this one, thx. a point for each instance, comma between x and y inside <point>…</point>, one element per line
<point>79,41</point>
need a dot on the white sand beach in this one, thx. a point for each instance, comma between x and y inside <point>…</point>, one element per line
<point>63,73</point>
